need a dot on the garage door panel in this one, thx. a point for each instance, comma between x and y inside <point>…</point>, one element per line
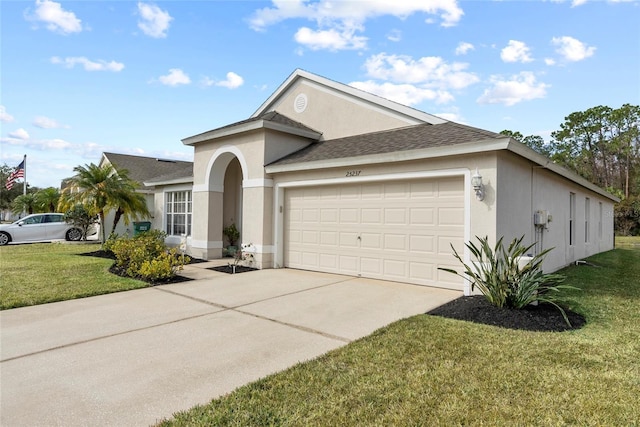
<point>329,238</point>
<point>422,216</point>
<point>419,190</point>
<point>371,216</point>
<point>397,216</point>
<point>395,242</point>
<point>450,216</point>
<point>371,241</point>
<point>328,261</point>
<point>394,268</point>
<point>392,231</point>
<point>349,264</point>
<point>421,271</point>
<point>395,191</point>
<point>422,244</point>
<point>329,216</point>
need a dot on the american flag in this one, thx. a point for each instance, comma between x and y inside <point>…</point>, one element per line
<point>15,175</point>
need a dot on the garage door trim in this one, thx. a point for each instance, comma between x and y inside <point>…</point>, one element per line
<point>280,188</point>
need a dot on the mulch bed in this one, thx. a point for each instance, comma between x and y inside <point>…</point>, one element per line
<point>543,317</point>
<point>228,269</point>
<point>120,272</point>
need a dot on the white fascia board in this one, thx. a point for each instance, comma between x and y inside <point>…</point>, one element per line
<point>384,103</point>
<point>247,127</point>
<point>396,156</point>
<point>546,163</point>
<point>184,180</point>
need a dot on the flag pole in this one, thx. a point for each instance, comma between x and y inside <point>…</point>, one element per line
<point>24,184</point>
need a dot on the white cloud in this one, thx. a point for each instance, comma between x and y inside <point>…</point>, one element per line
<point>572,49</point>
<point>405,94</point>
<point>338,22</point>
<point>518,88</point>
<point>154,21</point>
<point>463,48</point>
<point>331,39</point>
<point>55,18</point>
<point>431,71</point>
<point>394,35</point>
<point>175,77</point>
<point>89,65</point>
<point>516,51</point>
<point>576,3</point>
<point>355,11</point>
<point>4,116</point>
<point>409,81</point>
<point>233,81</point>
<point>549,61</point>
<point>47,123</point>
<point>19,134</point>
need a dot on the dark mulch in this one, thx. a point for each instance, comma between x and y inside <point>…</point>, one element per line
<point>228,269</point>
<point>543,317</point>
<point>121,272</point>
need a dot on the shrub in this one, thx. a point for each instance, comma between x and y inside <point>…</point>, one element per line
<point>498,275</point>
<point>147,257</point>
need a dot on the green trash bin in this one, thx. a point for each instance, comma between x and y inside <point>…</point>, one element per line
<point>141,227</point>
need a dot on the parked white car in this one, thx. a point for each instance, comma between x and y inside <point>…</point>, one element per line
<point>42,227</point>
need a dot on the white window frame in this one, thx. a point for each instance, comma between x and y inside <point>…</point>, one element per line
<point>170,213</point>
<point>572,219</point>
<point>587,219</point>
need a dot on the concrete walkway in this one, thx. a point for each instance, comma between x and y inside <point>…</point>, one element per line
<point>133,358</point>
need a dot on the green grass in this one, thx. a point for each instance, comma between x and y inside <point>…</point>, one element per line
<point>42,273</point>
<point>627,241</point>
<point>427,370</point>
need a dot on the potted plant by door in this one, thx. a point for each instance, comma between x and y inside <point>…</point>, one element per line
<point>232,234</point>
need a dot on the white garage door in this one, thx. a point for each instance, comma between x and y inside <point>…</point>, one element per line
<point>400,230</point>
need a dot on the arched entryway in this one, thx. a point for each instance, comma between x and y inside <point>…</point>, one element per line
<point>232,199</point>
<point>219,202</point>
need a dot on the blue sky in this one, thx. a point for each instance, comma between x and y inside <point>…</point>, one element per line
<point>82,77</point>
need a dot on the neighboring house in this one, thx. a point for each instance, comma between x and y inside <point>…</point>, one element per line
<point>141,169</point>
<point>326,177</point>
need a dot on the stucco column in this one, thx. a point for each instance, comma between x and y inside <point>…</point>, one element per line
<point>206,231</point>
<point>257,221</point>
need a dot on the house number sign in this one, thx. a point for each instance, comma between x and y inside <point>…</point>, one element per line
<point>353,173</point>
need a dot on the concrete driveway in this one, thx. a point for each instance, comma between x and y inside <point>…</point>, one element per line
<point>136,357</point>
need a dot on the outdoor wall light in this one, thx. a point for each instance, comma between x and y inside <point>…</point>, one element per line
<point>478,187</point>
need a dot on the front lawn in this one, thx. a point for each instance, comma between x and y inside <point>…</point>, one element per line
<point>428,370</point>
<point>40,273</point>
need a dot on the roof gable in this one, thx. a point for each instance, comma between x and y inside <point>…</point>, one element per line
<point>270,120</point>
<point>373,102</point>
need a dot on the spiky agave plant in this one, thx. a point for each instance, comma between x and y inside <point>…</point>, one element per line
<point>498,275</point>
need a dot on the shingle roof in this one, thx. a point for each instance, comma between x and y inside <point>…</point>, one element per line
<point>403,139</point>
<point>271,116</point>
<point>145,169</point>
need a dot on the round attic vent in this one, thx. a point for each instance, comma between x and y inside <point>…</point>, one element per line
<point>300,103</point>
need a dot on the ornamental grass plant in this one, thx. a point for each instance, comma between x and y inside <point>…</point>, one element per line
<point>505,280</point>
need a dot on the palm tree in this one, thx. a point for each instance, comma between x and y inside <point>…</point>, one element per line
<point>130,205</point>
<point>47,199</point>
<point>24,203</point>
<point>100,189</point>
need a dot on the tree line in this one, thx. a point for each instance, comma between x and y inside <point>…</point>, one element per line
<point>601,144</point>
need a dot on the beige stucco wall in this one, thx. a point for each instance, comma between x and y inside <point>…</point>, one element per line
<point>337,115</point>
<point>525,188</point>
<point>230,182</point>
